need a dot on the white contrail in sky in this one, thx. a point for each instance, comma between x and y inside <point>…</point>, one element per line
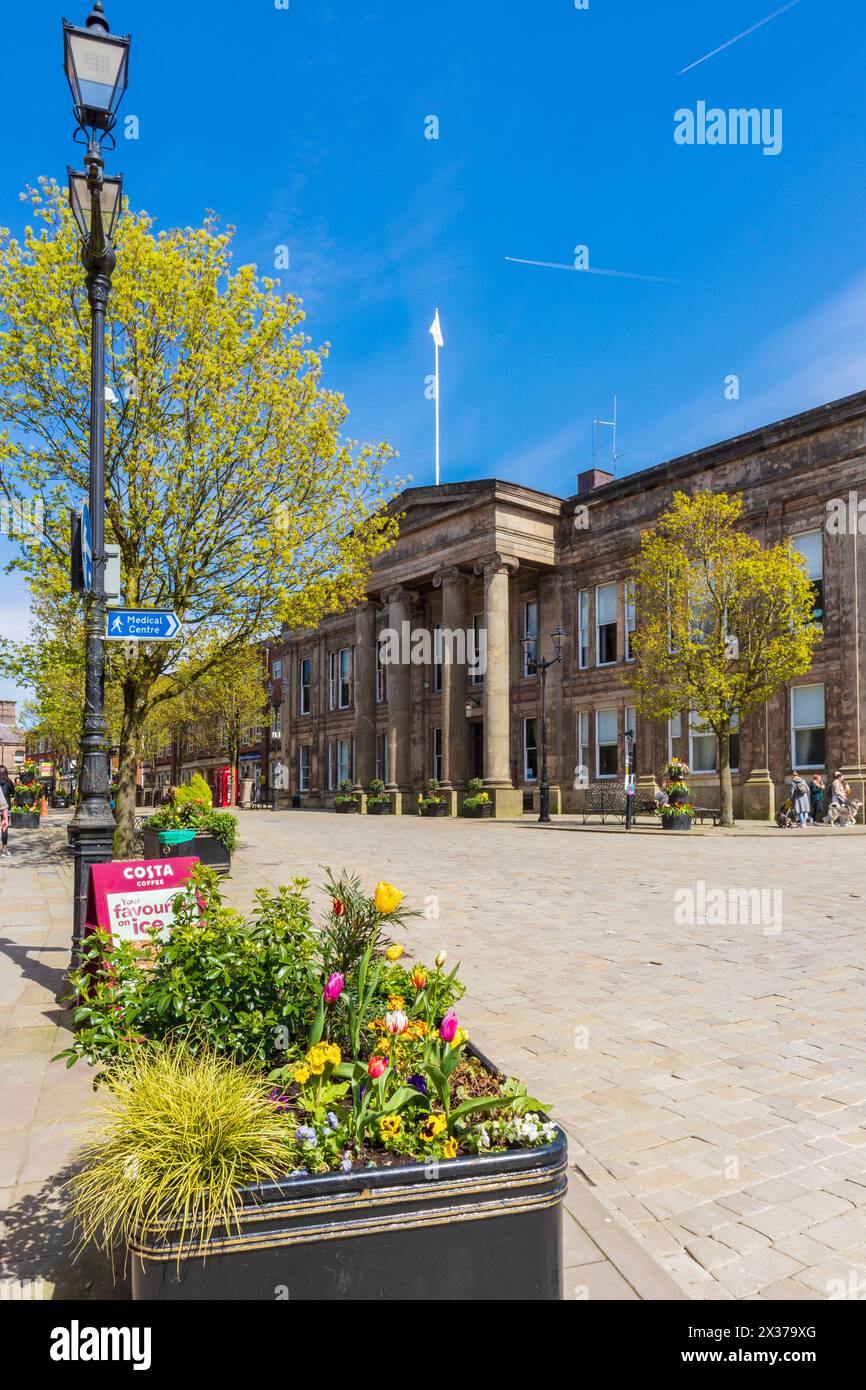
<point>745,33</point>
<point>591,270</point>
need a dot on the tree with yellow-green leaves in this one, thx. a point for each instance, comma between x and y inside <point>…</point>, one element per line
<point>51,666</point>
<point>225,701</point>
<point>722,621</point>
<point>231,491</point>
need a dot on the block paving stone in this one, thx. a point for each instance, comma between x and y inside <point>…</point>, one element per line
<point>712,1080</point>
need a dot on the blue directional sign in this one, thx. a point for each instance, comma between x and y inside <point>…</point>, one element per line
<point>142,625</point>
<point>86,548</point>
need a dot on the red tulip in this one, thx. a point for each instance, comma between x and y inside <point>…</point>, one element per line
<point>339,908</point>
<point>376,1066</point>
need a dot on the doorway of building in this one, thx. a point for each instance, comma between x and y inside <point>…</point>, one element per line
<point>477,754</point>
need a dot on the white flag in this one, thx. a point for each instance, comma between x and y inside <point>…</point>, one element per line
<point>436,331</point>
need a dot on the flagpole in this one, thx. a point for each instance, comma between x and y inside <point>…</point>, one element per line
<point>437,411</point>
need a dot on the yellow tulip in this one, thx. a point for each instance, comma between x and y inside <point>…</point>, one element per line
<point>387,898</point>
<point>395,952</point>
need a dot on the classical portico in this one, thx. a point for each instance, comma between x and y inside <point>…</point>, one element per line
<point>480,537</point>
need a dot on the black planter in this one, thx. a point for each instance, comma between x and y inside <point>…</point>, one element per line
<point>486,1228</point>
<point>479,812</point>
<point>439,808</point>
<point>379,808</point>
<point>683,821</point>
<point>348,808</point>
<point>27,820</point>
<point>203,847</point>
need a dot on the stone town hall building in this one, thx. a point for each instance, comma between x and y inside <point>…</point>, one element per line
<point>516,561</point>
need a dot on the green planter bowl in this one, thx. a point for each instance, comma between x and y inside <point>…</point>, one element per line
<point>175,837</point>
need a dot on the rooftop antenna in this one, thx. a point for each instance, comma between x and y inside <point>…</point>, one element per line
<point>610,424</point>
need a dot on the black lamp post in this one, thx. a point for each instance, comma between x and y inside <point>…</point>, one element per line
<point>629,778</point>
<point>96,64</point>
<point>542,668</point>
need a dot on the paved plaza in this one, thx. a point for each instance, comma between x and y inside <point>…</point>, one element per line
<point>702,1046</point>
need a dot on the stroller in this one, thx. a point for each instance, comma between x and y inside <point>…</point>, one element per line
<point>786,820</point>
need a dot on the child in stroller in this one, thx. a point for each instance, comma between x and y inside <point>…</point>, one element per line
<point>786,819</point>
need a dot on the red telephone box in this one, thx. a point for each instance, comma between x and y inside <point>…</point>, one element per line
<point>223,786</point>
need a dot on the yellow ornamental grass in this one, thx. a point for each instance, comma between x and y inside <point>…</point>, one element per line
<point>177,1135</point>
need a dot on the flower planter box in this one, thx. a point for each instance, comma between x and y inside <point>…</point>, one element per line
<point>439,809</point>
<point>487,1227</point>
<point>349,808</point>
<point>679,822</point>
<point>203,846</point>
<point>479,812</point>
<point>27,820</point>
<point>379,808</point>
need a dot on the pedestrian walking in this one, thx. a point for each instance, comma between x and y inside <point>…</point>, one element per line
<point>818,794</point>
<point>7,790</point>
<point>799,799</point>
<point>4,824</point>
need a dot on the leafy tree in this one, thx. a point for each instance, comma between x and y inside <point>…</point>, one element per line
<point>230,489</point>
<point>722,621</point>
<point>51,666</point>
<point>227,699</point>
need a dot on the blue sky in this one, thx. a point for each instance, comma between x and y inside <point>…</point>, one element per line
<point>305,127</point>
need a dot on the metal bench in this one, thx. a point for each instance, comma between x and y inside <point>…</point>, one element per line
<point>609,799</point>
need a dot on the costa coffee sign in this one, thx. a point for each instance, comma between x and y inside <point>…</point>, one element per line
<point>127,898</point>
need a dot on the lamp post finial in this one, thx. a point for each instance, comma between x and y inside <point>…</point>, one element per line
<point>96,19</point>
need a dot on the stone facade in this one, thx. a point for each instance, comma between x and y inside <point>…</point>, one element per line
<point>12,744</point>
<point>506,560</point>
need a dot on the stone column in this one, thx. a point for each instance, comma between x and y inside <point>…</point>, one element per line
<point>549,617</point>
<point>399,601</point>
<point>452,582</point>
<point>497,570</point>
<point>759,794</point>
<point>365,695</point>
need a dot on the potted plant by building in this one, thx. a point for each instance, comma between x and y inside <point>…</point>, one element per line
<point>346,802</point>
<point>431,802</point>
<point>678,812</point>
<point>477,804</point>
<point>302,1131</point>
<point>25,811</point>
<point>378,800</point>
<point>188,825</point>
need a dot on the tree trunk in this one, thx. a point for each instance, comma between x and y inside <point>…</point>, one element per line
<point>134,711</point>
<point>726,792</point>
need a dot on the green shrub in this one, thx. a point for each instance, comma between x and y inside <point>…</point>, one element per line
<point>245,988</point>
<point>192,816</point>
<point>178,1134</point>
<point>346,796</point>
<point>477,796</point>
<point>377,795</point>
<point>195,792</point>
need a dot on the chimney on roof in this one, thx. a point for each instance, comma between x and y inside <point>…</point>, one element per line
<point>591,479</point>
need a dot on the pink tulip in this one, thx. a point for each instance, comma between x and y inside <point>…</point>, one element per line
<point>448,1027</point>
<point>376,1066</point>
<point>333,988</point>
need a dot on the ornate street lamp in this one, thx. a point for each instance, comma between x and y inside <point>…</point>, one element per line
<point>534,666</point>
<point>629,778</point>
<point>96,64</point>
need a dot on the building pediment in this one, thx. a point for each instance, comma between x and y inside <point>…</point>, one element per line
<point>456,523</point>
